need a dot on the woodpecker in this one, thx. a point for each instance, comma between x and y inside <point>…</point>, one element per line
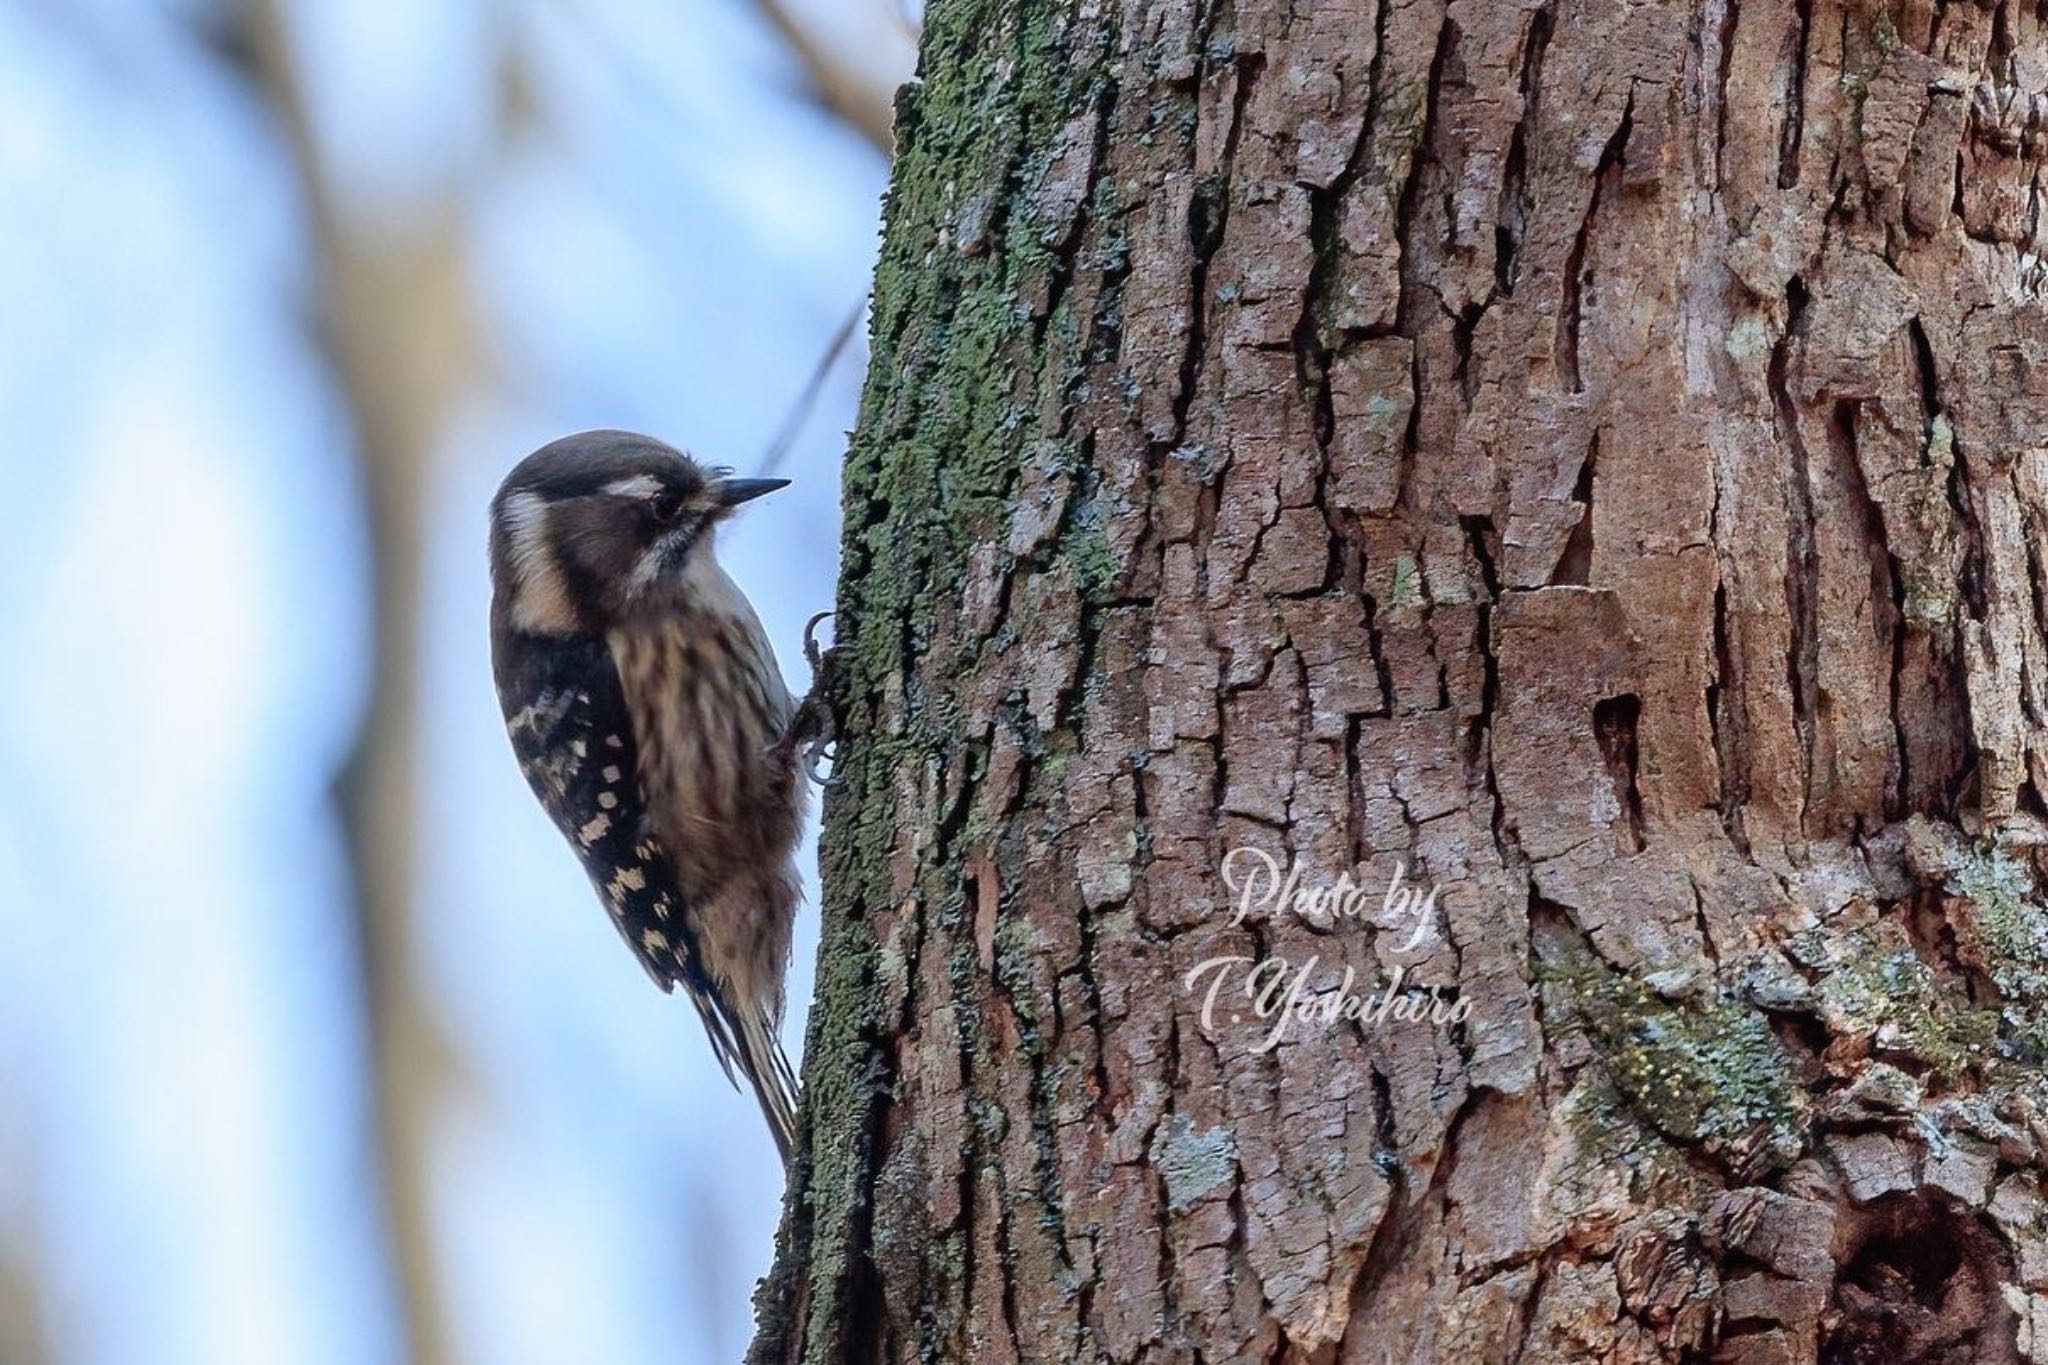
<point>649,716</point>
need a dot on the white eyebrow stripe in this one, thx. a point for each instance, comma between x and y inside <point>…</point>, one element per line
<point>639,486</point>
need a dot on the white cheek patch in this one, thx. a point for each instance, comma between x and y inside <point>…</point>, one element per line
<point>540,599</point>
<point>526,529</point>
<point>658,561</point>
<point>648,568</point>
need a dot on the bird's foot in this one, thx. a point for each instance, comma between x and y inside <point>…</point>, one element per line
<point>813,733</point>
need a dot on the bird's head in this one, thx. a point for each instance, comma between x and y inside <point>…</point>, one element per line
<point>592,529</point>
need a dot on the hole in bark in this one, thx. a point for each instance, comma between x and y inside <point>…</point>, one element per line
<point>1795,102</point>
<point>1580,298</point>
<point>1507,238</point>
<point>1461,338</point>
<point>1930,385</point>
<point>1575,565</point>
<point>1802,654</point>
<point>1614,727</point>
<point>1725,718</point>
<point>1961,501</point>
<point>1480,535</point>
<point>2029,800</point>
<point>1921,1287</point>
<point>1205,215</point>
<point>1514,194</point>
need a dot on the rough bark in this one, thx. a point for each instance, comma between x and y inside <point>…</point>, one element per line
<point>1592,456</point>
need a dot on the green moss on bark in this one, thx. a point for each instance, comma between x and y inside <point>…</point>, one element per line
<point>1891,997</point>
<point>1705,1071</point>
<point>959,360</point>
<point>2003,933</point>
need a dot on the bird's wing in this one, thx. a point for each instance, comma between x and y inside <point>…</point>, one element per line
<point>574,740</point>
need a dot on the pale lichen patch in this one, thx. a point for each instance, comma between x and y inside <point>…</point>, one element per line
<point>1192,1163</point>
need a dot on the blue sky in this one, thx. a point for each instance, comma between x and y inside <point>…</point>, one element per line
<point>665,241</point>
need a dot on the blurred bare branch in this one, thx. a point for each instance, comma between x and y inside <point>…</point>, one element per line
<point>25,1289</point>
<point>910,24</point>
<point>23,1338</point>
<point>396,321</point>
<point>849,88</point>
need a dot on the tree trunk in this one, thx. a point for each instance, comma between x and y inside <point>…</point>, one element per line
<point>1579,468</point>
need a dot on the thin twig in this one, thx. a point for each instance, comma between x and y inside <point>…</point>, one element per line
<point>807,398</point>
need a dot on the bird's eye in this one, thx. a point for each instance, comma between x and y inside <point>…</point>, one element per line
<point>665,506</point>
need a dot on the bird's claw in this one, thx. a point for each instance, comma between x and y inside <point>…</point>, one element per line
<point>820,749</point>
<point>813,732</point>
<point>813,655</point>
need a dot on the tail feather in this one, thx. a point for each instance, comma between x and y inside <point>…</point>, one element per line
<point>766,1066</point>
<point>746,1037</point>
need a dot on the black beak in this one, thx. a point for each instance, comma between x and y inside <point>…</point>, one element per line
<point>733,492</point>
